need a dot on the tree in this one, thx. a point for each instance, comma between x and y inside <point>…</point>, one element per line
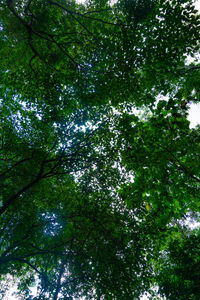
<point>79,53</point>
<point>166,172</point>
<point>91,193</point>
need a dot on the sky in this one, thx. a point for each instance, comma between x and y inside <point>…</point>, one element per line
<point>193,117</point>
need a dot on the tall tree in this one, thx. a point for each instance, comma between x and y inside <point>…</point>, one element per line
<point>92,195</point>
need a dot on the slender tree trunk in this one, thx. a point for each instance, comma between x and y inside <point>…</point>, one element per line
<point>55,297</point>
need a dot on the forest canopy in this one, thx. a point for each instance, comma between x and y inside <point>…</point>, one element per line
<point>99,167</point>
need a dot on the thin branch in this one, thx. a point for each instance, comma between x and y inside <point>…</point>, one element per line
<point>32,58</point>
<point>71,14</point>
<point>85,14</point>
<point>23,190</point>
<point>39,272</point>
<point>182,166</point>
<point>27,8</point>
<point>189,69</point>
<point>16,164</point>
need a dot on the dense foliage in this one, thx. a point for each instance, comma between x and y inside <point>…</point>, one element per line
<point>99,168</point>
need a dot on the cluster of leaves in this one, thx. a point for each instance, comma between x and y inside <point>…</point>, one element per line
<point>165,170</point>
<point>91,193</point>
<point>178,277</point>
